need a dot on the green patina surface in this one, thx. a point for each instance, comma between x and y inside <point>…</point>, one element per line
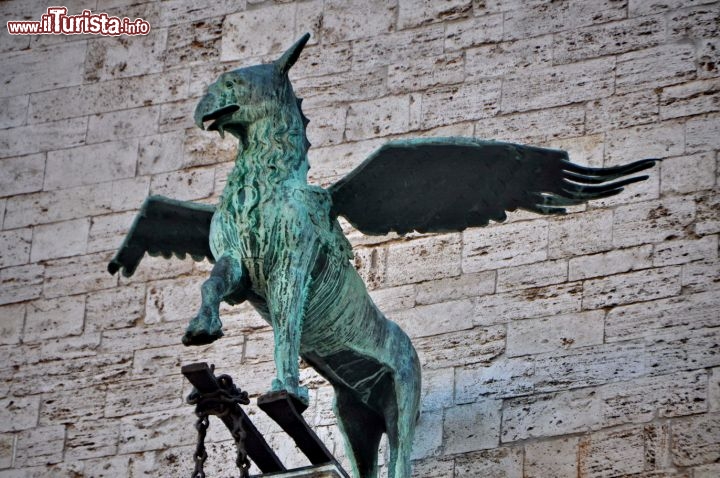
<point>277,245</point>
<point>276,242</point>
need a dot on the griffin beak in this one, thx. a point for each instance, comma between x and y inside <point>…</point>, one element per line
<point>209,109</point>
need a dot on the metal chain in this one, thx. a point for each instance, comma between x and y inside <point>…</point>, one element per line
<point>200,453</point>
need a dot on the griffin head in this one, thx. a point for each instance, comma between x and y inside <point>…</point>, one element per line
<point>241,97</point>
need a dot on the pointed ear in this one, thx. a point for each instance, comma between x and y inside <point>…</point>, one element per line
<point>289,58</point>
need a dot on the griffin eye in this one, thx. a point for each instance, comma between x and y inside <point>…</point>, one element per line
<point>229,84</point>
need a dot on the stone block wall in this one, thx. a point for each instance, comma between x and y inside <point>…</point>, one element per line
<point>578,346</point>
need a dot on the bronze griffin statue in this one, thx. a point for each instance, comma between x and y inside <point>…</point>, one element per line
<point>276,242</point>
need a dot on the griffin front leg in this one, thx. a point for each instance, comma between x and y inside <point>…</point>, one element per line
<point>225,279</point>
<point>289,294</point>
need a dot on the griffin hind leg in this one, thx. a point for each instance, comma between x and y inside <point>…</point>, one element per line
<point>362,429</point>
<point>225,280</point>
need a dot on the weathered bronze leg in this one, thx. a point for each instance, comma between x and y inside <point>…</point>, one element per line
<point>224,279</point>
<point>362,429</point>
<point>288,297</point>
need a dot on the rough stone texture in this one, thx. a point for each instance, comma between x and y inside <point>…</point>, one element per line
<point>583,345</point>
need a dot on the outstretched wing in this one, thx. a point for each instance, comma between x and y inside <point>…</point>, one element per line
<point>449,184</point>
<point>165,227</point>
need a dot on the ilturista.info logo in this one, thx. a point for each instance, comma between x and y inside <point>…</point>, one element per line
<point>57,22</point>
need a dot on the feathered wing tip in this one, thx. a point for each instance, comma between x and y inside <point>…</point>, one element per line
<point>305,122</point>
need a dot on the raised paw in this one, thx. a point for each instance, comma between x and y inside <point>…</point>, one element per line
<point>201,332</point>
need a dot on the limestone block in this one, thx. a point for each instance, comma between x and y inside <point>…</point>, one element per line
<point>688,99</point>
<point>40,69</point>
<point>22,175</point>
<point>107,232</point>
<point>7,449</point>
<point>19,413</point>
<point>327,125</point>
<point>652,141</point>
<point>156,431</point>
<point>128,194</point>
<point>54,318</point>
<point>13,110</point>
<point>654,67</point>
<point>551,458</point>
<point>123,124</point>
<point>157,268</point>
<point>68,406</point>
<point>702,133</point>
<point>631,287</point>
<point>701,276</point>
<point>332,90</point>
<point>12,318</point>
<point>528,303</point>
<point>706,471</point>
<point>112,95</point>
<point>695,22</point>
<point>504,245</point>
<point>21,283</point>
<point>15,247</point>
<point>191,11</point>
<point>470,427</point>
<point>428,435</point>
<point>454,349</point>
<point>548,334</point>
<point>107,466</point>
<point>40,446</point>
<point>425,258</point>
<point>708,55</point>
<point>679,394</point>
<point>500,379</point>
<point>539,18</point>
<point>115,308</point>
<point>609,38</point>
<point>652,221</point>
<point>427,320</point>
<point>559,85</point>
<point>371,264</point>
<point>622,111</point>
<point>61,373</point>
<point>61,239</point>
<point>321,60</point>
<point>474,31</point>
<point>612,453</point>
<point>56,134</point>
<point>499,463</point>
<point>127,340</point>
<point>77,275</point>
<point>681,349</point>
<point>413,13</point>
<point>197,148</point>
<point>190,44</point>
<point>184,185</point>
<point>588,366</point>
<point>433,468</point>
<point>173,300</point>
<point>532,275</point>
<point>343,21</point>
<point>437,389</point>
<point>124,56</point>
<point>468,101</point>
<point>426,73</point>
<point>685,174</point>
<point>452,288</point>
<point>681,251</point>
<point>611,262</point>
<point>236,43</point>
<point>509,58</point>
<point>549,415</point>
<point>695,440</point>
<point>394,298</point>
<point>535,126</point>
<point>146,395</point>
<point>386,116</point>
